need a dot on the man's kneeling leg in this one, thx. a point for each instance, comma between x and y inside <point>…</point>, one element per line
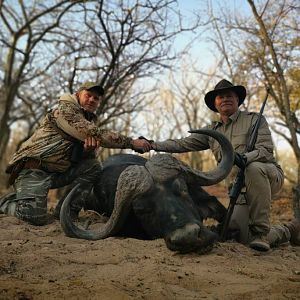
<point>32,187</point>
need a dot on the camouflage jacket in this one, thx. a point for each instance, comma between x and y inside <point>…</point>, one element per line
<point>237,131</point>
<point>52,149</point>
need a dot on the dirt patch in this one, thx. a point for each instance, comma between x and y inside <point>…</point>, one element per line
<point>42,263</point>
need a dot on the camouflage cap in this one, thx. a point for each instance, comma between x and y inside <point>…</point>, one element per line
<point>89,85</point>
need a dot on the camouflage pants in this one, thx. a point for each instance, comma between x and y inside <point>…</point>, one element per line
<point>32,186</point>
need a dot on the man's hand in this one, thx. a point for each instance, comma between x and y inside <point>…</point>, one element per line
<point>240,160</point>
<point>90,143</point>
<point>141,145</point>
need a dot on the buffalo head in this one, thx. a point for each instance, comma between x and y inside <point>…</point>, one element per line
<point>161,196</point>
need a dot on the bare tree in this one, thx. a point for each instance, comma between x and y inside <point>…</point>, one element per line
<point>179,107</point>
<point>129,44</point>
<point>50,49</point>
<point>263,50</point>
<point>279,85</point>
<point>24,29</point>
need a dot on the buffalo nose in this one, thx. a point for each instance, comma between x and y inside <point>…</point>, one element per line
<point>182,238</point>
<point>191,237</point>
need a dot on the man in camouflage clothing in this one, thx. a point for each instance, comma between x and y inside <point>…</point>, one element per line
<point>61,151</point>
<point>263,176</point>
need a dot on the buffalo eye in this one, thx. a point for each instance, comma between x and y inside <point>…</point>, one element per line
<point>179,187</point>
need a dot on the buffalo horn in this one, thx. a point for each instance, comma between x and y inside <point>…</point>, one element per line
<point>110,228</point>
<point>224,166</point>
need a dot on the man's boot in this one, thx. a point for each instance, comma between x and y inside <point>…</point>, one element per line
<point>260,243</point>
<point>75,208</point>
<point>294,228</point>
<point>29,210</point>
<point>24,209</point>
<point>78,201</point>
<point>8,204</point>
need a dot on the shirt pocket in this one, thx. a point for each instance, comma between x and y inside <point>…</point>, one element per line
<point>239,141</point>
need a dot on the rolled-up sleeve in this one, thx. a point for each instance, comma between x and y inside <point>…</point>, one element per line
<point>193,142</point>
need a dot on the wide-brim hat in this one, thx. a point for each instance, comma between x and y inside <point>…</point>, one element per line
<point>92,86</point>
<point>224,85</point>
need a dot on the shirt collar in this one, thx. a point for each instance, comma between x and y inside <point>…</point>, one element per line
<point>233,117</point>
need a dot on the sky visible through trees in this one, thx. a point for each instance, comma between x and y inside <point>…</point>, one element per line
<point>201,49</point>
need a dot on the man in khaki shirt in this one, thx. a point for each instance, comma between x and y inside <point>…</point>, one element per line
<point>263,176</point>
<point>60,152</point>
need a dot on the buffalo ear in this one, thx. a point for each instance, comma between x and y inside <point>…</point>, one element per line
<point>218,210</point>
<point>207,205</point>
<point>212,208</point>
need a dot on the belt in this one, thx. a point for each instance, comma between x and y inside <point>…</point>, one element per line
<point>25,163</point>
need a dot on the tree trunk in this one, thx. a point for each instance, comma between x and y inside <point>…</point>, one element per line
<point>296,196</point>
<point>6,100</point>
<point>285,101</point>
<point>5,134</point>
<point>296,201</point>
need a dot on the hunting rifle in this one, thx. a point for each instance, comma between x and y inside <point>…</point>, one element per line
<point>239,179</point>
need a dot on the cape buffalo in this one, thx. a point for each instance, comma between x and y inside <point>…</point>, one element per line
<point>156,198</point>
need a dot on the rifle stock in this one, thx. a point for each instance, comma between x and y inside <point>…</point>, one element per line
<point>239,179</point>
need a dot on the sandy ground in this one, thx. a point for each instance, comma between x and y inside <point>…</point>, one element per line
<point>42,263</point>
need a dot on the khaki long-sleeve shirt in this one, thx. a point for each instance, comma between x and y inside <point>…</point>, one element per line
<point>237,131</point>
<point>49,146</point>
